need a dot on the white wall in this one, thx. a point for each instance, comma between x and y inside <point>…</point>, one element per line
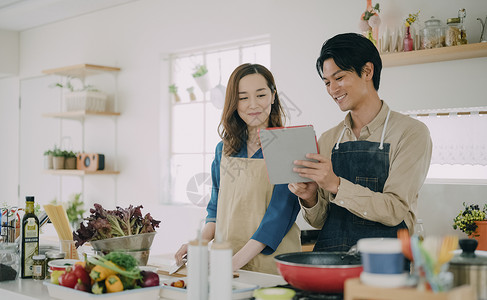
<point>9,53</point>
<point>134,36</point>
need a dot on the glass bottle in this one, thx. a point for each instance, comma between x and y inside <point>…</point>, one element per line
<point>419,229</point>
<point>463,33</point>
<point>408,40</point>
<point>30,239</point>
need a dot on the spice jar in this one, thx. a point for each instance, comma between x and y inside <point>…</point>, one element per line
<point>452,36</point>
<point>433,34</point>
<point>39,267</point>
<point>52,255</point>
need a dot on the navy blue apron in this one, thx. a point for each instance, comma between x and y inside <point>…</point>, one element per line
<point>365,163</point>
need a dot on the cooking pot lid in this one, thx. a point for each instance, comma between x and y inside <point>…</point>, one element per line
<point>469,256</point>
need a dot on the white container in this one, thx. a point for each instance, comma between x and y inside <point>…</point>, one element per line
<point>221,273</point>
<point>198,270</point>
<point>61,292</point>
<point>85,100</point>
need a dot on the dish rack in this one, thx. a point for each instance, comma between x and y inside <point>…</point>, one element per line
<point>355,290</point>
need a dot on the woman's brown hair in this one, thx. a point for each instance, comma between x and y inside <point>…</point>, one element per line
<point>232,129</point>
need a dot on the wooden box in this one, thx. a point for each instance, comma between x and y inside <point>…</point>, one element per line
<point>355,290</point>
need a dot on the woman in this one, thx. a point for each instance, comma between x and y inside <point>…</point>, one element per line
<point>257,218</point>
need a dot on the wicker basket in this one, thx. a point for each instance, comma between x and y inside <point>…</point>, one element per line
<point>86,100</point>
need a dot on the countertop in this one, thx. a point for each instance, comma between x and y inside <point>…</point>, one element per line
<point>29,289</point>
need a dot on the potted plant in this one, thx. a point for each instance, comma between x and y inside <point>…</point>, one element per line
<point>69,160</point>
<point>48,159</point>
<point>58,158</point>
<point>473,222</point>
<point>201,77</point>
<point>173,90</point>
<point>192,96</point>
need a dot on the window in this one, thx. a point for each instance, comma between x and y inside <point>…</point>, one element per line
<point>195,114</point>
<point>459,144</point>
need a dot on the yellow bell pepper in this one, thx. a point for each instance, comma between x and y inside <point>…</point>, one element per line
<point>99,273</point>
<point>113,284</point>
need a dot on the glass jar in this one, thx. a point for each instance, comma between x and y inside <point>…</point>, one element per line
<point>52,255</point>
<point>39,267</point>
<point>433,35</point>
<point>453,35</point>
<point>9,261</point>
<point>419,229</point>
<point>463,33</point>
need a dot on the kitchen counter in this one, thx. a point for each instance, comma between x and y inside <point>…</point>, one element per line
<point>29,289</point>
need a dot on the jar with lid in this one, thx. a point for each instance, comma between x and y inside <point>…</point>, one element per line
<point>52,255</point>
<point>433,35</point>
<point>39,267</point>
<point>453,35</point>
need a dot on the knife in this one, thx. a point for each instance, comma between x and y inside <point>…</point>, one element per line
<point>175,267</point>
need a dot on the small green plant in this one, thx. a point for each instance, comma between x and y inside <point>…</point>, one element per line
<point>48,152</point>
<point>57,152</point>
<point>465,220</point>
<point>199,71</point>
<point>173,89</point>
<point>69,154</point>
<point>69,86</point>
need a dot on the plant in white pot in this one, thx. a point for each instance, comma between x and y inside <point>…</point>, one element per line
<point>48,159</point>
<point>58,159</point>
<point>202,77</point>
<point>173,90</point>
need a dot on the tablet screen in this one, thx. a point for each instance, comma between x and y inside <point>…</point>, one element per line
<point>281,146</point>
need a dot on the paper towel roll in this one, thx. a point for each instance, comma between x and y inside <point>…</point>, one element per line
<point>221,272</point>
<point>198,270</point>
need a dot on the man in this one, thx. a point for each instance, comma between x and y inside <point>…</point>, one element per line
<point>372,165</point>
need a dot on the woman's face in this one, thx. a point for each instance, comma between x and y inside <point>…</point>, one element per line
<point>255,100</point>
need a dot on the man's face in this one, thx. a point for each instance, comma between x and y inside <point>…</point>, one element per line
<point>345,87</point>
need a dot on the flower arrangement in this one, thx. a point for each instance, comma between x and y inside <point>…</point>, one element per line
<point>411,19</point>
<point>465,221</point>
<point>370,20</point>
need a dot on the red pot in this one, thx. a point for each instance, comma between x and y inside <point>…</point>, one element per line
<point>323,272</point>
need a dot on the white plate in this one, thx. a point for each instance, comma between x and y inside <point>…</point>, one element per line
<point>240,290</point>
<point>61,292</point>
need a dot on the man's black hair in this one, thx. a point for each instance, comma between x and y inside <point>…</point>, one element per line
<point>351,51</point>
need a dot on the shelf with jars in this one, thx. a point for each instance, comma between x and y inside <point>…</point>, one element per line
<point>434,55</point>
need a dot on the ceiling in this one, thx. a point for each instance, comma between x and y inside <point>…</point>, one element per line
<point>19,15</point>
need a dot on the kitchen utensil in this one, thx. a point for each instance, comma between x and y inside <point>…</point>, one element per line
<point>483,34</point>
<point>318,271</point>
<point>403,235</point>
<point>176,266</point>
<point>470,267</point>
<point>217,94</point>
<point>448,245</point>
<point>137,245</point>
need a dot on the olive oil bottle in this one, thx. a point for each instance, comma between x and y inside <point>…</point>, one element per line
<point>30,238</point>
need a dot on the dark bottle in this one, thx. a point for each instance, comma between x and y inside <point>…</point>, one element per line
<point>30,239</point>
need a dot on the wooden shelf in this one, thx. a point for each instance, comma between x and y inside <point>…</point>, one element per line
<point>80,172</point>
<point>434,55</point>
<point>81,70</point>
<point>79,114</point>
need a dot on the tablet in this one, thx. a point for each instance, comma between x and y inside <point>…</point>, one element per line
<point>281,146</point>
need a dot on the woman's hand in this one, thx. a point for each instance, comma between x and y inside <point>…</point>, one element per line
<point>321,172</point>
<point>306,191</point>
<point>180,253</point>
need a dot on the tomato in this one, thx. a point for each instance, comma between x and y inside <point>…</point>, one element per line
<point>68,279</point>
<point>81,274</point>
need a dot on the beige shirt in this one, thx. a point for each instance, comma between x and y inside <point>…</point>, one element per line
<point>409,161</point>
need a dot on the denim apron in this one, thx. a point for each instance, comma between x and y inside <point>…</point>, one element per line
<point>365,163</point>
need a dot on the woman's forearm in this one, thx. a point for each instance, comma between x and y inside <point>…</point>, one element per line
<point>244,255</point>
